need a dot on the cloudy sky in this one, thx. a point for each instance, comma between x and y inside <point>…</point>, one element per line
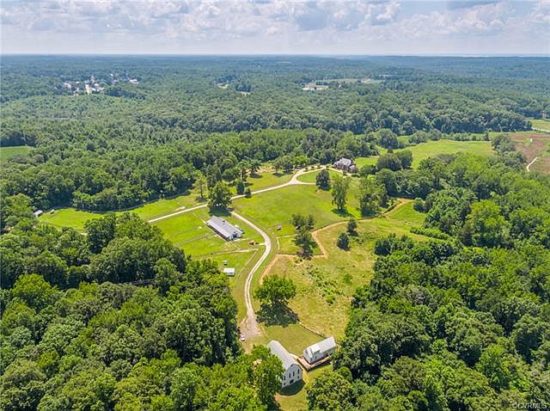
<point>276,26</point>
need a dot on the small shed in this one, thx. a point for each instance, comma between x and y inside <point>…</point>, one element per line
<point>320,350</point>
<point>38,213</point>
<point>230,271</point>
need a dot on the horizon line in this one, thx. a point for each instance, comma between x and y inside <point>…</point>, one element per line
<point>325,55</point>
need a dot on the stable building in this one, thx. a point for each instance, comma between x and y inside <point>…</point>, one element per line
<point>227,230</point>
<point>292,371</point>
<point>320,350</point>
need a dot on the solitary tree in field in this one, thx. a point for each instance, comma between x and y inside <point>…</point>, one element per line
<point>219,197</point>
<point>352,227</point>
<point>276,290</point>
<point>305,241</point>
<point>323,180</point>
<point>340,186</point>
<point>343,241</point>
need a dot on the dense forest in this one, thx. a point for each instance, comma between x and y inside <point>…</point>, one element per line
<point>132,143</point>
<point>119,318</point>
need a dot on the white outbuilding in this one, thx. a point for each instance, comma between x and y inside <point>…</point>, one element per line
<point>292,372</point>
<point>320,350</point>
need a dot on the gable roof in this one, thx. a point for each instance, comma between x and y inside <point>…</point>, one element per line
<point>322,346</point>
<point>280,352</point>
<point>223,227</point>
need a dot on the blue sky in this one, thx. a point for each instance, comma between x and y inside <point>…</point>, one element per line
<point>276,26</point>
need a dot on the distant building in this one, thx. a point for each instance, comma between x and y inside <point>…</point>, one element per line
<point>226,230</point>
<point>345,164</point>
<point>230,271</point>
<point>292,371</point>
<point>320,350</point>
<point>38,213</point>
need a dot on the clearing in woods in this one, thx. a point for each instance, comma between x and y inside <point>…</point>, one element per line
<point>535,146</point>
<point>8,152</point>
<point>433,148</point>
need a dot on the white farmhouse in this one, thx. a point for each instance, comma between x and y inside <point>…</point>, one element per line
<point>320,350</point>
<point>292,371</point>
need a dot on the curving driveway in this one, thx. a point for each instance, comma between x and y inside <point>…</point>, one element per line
<point>249,325</point>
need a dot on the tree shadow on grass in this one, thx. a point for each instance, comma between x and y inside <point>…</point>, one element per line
<point>277,314</point>
<point>342,213</point>
<point>293,389</point>
<point>220,212</point>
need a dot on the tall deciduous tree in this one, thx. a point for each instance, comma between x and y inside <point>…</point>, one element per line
<point>340,186</point>
<point>276,290</point>
<point>219,197</point>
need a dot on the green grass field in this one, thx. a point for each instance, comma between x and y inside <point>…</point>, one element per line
<point>310,177</point>
<point>68,217</point>
<point>274,208</point>
<point>8,152</point>
<point>71,217</point>
<point>433,148</point>
<point>325,285</point>
<point>541,124</point>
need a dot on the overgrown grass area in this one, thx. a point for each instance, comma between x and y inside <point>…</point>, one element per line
<point>433,148</point>
<point>325,285</point>
<point>8,152</point>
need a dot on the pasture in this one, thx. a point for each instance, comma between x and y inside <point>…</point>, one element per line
<point>433,148</point>
<point>274,208</point>
<point>68,217</point>
<point>326,283</point>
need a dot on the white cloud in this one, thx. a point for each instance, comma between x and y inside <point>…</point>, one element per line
<point>358,26</point>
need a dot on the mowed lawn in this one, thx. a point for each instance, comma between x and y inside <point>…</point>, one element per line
<point>310,177</point>
<point>325,285</point>
<point>274,208</point>
<point>8,152</point>
<point>68,217</point>
<point>433,148</point>
<point>71,217</point>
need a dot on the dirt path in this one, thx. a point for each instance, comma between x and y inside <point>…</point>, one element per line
<point>249,326</point>
<point>528,167</point>
<point>293,181</point>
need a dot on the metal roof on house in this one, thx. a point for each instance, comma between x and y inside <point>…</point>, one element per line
<point>280,352</point>
<point>223,227</point>
<point>322,346</point>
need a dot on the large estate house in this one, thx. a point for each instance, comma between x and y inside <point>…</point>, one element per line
<point>292,371</point>
<point>227,230</point>
<point>345,164</point>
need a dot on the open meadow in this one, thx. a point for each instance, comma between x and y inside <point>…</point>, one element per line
<point>8,152</point>
<point>433,148</point>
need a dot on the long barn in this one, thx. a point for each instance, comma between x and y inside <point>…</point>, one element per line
<point>227,230</point>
